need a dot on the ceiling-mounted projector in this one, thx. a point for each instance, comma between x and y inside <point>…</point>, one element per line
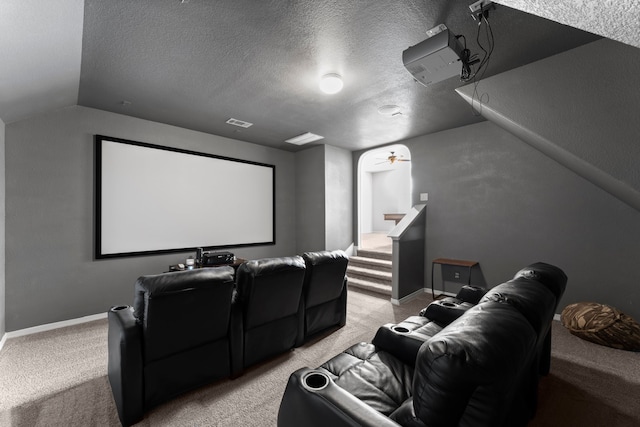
<point>435,59</point>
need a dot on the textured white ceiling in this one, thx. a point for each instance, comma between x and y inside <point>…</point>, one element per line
<point>194,65</point>
<point>40,51</point>
<point>615,19</point>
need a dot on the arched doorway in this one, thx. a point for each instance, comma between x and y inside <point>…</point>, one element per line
<point>384,187</point>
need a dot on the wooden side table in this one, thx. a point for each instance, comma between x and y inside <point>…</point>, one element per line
<point>451,262</point>
<point>396,217</point>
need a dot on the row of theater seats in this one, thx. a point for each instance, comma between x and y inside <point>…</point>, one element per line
<point>470,361</point>
<point>187,329</point>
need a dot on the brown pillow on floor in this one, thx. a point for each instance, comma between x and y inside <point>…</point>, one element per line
<point>602,324</point>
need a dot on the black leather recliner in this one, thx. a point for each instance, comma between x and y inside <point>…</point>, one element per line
<point>181,333</point>
<point>269,292</point>
<point>324,293</point>
<point>479,371</point>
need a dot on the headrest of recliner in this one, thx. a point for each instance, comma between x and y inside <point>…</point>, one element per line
<point>265,266</point>
<point>549,275</point>
<point>150,286</point>
<point>315,258</point>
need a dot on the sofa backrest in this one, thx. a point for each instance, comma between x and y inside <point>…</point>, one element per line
<point>535,302</point>
<point>324,278</point>
<point>468,373</point>
<point>183,310</point>
<point>535,291</point>
<point>270,289</point>
<point>552,277</point>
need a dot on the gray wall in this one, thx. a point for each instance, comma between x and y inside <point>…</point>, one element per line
<point>310,196</point>
<point>51,275</point>
<point>497,200</point>
<point>324,194</point>
<point>580,107</point>
<point>338,198</point>
<point>2,229</point>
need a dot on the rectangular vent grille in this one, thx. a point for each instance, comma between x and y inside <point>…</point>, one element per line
<point>240,123</point>
<point>305,138</point>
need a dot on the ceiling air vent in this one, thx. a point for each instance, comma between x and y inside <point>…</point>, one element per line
<point>240,123</point>
<point>305,138</point>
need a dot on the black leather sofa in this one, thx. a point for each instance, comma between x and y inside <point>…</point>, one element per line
<point>190,328</point>
<point>482,369</point>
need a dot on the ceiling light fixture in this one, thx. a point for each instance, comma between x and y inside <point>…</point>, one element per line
<point>305,138</point>
<point>331,83</point>
<point>390,110</point>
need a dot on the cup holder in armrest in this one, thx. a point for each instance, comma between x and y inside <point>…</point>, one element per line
<point>119,308</point>
<point>315,381</point>
<point>448,304</point>
<point>400,329</point>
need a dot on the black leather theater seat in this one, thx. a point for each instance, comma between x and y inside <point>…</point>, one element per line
<point>481,370</point>
<point>269,293</point>
<point>324,293</point>
<point>177,336</point>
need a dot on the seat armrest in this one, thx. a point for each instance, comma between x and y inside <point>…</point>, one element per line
<point>308,402</point>
<point>236,337</point>
<point>403,340</point>
<point>125,370</point>
<point>343,303</point>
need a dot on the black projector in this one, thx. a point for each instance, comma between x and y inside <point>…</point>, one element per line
<point>210,259</point>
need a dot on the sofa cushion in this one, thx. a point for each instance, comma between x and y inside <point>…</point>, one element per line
<point>374,376</point>
<point>324,278</point>
<point>183,310</point>
<point>602,324</point>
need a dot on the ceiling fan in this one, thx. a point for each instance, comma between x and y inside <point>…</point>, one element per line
<point>392,158</point>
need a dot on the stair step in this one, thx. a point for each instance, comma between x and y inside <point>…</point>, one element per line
<point>374,254</point>
<point>372,263</point>
<point>369,286</point>
<point>381,277</point>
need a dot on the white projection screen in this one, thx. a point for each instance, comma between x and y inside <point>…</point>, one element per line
<point>152,199</point>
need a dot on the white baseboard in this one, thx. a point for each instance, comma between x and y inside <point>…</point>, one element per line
<point>408,297</point>
<point>51,326</point>
<point>351,250</point>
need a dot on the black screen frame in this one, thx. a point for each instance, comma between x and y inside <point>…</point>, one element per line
<point>98,180</point>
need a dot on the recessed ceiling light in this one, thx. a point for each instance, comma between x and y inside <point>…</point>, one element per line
<point>389,110</point>
<point>331,83</point>
<point>305,138</point>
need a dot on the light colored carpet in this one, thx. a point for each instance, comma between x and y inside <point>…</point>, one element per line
<point>589,385</point>
<point>58,378</point>
<point>379,242</point>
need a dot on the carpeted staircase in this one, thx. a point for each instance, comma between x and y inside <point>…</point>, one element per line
<point>370,270</point>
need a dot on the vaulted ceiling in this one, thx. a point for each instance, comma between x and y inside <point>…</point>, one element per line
<point>197,63</point>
